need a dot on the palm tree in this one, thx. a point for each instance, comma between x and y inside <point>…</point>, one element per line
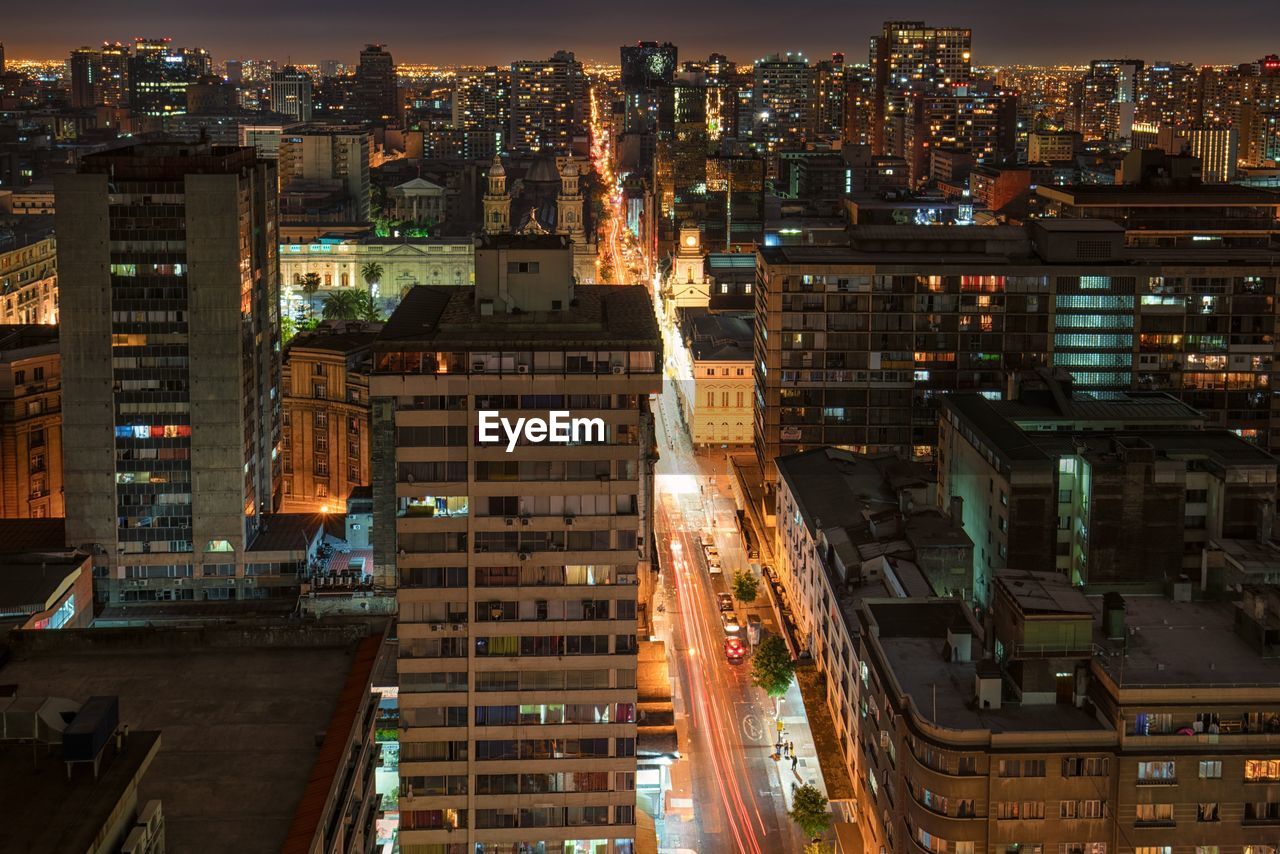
<point>310,284</point>
<point>371,272</point>
<point>351,305</point>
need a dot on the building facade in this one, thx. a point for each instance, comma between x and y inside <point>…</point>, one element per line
<point>854,345</point>
<point>176,424</point>
<point>325,427</point>
<point>329,157</point>
<point>30,423</point>
<point>713,370</point>
<point>522,568</point>
<point>28,273</point>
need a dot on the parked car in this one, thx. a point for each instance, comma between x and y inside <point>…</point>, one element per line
<point>725,601</point>
<point>734,650</point>
<point>711,550</point>
<point>732,625</point>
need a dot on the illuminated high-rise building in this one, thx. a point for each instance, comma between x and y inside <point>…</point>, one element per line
<point>783,103</point>
<point>82,69</point>
<point>377,97</point>
<point>1104,101</point>
<point>482,102</point>
<point>160,74</point>
<point>1166,93</point>
<point>291,93</point>
<point>170,340</point>
<point>830,97</point>
<point>550,107</point>
<point>914,57</point>
<point>522,571</point>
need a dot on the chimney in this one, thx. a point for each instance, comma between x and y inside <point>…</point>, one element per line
<point>957,511</point>
<point>1266,520</point>
<point>1113,615</point>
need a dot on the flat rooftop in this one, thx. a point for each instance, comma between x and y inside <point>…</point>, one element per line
<point>45,811</point>
<point>15,338</point>
<point>1211,195</point>
<point>912,635</point>
<point>238,710</point>
<point>1181,644</point>
<point>612,316</point>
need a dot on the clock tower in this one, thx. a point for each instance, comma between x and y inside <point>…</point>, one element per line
<point>497,204</point>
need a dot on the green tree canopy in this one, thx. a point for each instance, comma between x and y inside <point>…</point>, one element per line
<point>371,272</point>
<point>351,305</point>
<point>771,667</point>
<point>745,586</point>
<point>809,810</point>
<point>310,283</point>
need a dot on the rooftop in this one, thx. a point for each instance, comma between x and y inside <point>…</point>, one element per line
<point>32,535</point>
<point>446,317</point>
<point>18,337</point>
<point>717,336</point>
<point>31,582</point>
<point>347,336</point>
<point>912,634</point>
<point>281,532</point>
<point>21,232</point>
<point>46,811</point>
<point>239,709</point>
<point>1136,196</point>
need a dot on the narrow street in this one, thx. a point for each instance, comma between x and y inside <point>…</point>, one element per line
<point>727,789</point>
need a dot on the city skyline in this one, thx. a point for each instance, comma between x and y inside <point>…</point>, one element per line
<point>327,30</point>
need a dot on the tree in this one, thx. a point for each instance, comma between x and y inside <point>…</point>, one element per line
<point>288,328</point>
<point>817,848</point>
<point>809,810</point>
<point>772,668</point>
<point>310,283</point>
<point>371,272</point>
<point>351,305</point>
<point>745,586</point>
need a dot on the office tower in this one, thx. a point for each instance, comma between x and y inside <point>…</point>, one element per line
<point>377,97</point>
<point>550,107</point>
<point>210,95</point>
<point>234,71</point>
<point>647,65</point>
<point>855,344</point>
<point>830,95</point>
<point>291,93</point>
<point>522,568</point>
<point>159,76</point>
<point>113,75</point>
<point>170,337</point>
<point>327,160</point>
<point>324,428</point>
<point>680,160</point>
<point>482,102</point>
<point>1218,149</point>
<point>860,99</point>
<point>783,103</point>
<point>720,76</point>
<point>1166,93</point>
<point>330,68</point>
<point>911,56</point>
<point>83,68</point>
<point>30,422</point>
<point>1104,102</point>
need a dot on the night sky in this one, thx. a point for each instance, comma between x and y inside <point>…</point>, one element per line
<point>498,31</point>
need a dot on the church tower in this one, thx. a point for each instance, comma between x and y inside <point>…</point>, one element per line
<point>497,204</point>
<point>569,203</point>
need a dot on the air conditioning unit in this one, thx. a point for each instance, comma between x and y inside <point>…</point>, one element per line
<point>618,369</point>
<point>457,627</point>
<point>568,520</point>
<point>522,369</point>
<point>435,627</point>
<point>477,367</point>
<point>524,520</point>
<point>510,521</point>
<point>524,555</point>
<point>355,527</point>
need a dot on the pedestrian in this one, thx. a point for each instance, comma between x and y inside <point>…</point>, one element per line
<point>785,754</point>
<point>791,748</point>
<point>794,760</point>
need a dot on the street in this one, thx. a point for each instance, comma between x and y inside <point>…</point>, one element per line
<point>727,779</point>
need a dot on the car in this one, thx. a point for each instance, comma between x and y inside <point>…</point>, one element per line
<point>711,550</point>
<point>725,601</point>
<point>734,650</point>
<point>732,625</point>
<point>713,565</point>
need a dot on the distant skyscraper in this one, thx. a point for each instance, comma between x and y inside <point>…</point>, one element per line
<point>829,95</point>
<point>82,69</point>
<point>235,71</point>
<point>482,102</point>
<point>549,104</point>
<point>329,67</point>
<point>329,157</point>
<point>911,56</point>
<point>1218,149</point>
<point>647,65</point>
<point>159,76</point>
<point>291,93</point>
<point>376,96</point>
<point>170,335</point>
<point>1166,93</point>
<point>783,114</point>
<point>1105,101</point>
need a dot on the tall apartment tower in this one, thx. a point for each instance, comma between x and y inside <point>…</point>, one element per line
<point>522,567</point>
<point>377,98</point>
<point>549,104</point>
<point>170,338</point>
<point>82,69</point>
<point>910,56</point>
<point>291,93</point>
